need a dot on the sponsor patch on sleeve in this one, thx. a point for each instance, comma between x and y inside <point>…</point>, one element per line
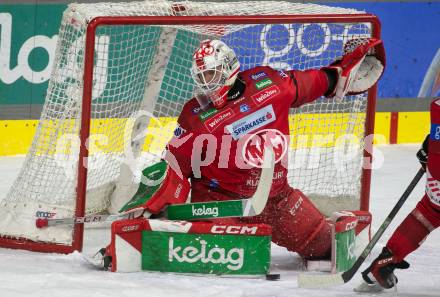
<point>252,122</point>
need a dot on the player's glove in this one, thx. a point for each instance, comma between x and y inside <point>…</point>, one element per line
<point>359,68</point>
<point>160,186</point>
<point>422,154</point>
<point>381,271</point>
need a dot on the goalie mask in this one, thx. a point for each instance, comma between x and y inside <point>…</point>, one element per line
<point>214,70</point>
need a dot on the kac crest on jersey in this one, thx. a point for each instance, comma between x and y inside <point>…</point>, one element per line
<point>255,144</point>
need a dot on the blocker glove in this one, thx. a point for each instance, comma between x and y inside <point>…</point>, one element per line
<point>160,186</point>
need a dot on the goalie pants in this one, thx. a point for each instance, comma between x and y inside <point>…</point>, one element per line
<point>296,224</point>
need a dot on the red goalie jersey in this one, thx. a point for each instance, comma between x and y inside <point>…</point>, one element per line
<point>221,149</point>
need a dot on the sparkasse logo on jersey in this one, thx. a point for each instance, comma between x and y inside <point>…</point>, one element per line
<point>258,75</point>
<point>252,122</point>
<point>265,95</point>
<point>212,123</point>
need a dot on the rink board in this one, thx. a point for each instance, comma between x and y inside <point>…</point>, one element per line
<point>17,135</point>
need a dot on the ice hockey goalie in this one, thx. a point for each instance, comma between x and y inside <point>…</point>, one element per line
<point>216,151</point>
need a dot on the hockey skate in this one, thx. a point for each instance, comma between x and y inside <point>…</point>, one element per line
<point>380,274</point>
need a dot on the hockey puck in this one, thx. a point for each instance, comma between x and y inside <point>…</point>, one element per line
<point>273,276</point>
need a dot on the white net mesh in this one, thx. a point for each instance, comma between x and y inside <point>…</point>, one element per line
<point>142,79</point>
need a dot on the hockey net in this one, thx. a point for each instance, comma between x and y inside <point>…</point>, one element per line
<point>120,78</point>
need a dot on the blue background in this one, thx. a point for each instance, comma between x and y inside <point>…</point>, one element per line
<point>411,35</point>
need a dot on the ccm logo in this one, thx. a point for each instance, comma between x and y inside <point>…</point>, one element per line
<point>130,228</point>
<point>178,190</point>
<point>384,261</point>
<point>234,229</point>
<point>350,225</point>
<point>364,219</point>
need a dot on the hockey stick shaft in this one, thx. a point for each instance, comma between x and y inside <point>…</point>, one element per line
<point>192,211</point>
<point>135,213</point>
<point>347,275</point>
<point>311,281</point>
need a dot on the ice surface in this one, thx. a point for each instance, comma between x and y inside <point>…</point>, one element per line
<point>30,274</point>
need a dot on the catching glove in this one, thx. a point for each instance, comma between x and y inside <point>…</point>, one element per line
<point>359,68</point>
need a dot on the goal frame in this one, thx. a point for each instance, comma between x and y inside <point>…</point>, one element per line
<point>78,229</point>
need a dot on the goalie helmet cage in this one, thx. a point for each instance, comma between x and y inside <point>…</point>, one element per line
<point>123,69</point>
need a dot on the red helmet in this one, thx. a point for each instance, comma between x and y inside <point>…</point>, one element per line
<point>214,70</point>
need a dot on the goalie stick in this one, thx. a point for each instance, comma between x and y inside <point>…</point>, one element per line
<point>134,213</point>
<point>316,281</point>
<point>192,211</point>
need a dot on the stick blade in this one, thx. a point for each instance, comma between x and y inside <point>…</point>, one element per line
<point>265,183</point>
<point>319,280</point>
